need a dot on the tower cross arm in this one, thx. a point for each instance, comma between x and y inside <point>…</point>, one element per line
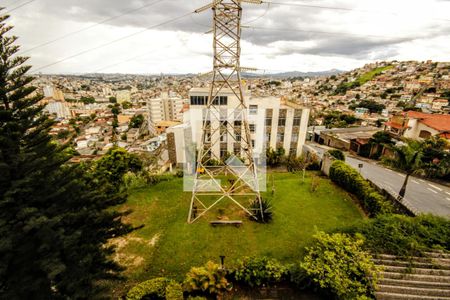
<point>215,2</point>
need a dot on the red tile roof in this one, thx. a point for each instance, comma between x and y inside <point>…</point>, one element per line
<point>438,122</point>
<point>445,135</point>
<point>395,125</point>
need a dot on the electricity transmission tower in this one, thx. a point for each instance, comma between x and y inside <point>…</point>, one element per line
<point>217,178</point>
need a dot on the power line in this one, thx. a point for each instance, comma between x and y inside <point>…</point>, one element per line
<point>113,41</point>
<point>139,56</point>
<point>263,28</point>
<point>19,6</point>
<point>324,32</point>
<point>91,26</point>
<point>340,8</point>
<point>121,62</point>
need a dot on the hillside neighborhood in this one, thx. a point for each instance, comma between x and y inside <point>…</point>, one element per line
<point>237,183</point>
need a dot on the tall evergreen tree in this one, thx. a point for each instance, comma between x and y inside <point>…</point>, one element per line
<point>55,219</point>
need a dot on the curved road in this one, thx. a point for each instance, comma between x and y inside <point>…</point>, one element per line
<point>424,196</point>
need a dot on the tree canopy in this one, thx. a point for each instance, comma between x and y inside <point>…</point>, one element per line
<point>336,119</point>
<point>371,105</point>
<point>55,221</point>
<point>136,121</point>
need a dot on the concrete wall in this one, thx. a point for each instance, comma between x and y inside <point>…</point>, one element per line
<point>415,127</point>
<point>327,160</point>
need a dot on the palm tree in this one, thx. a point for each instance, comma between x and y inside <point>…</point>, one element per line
<point>408,158</point>
<point>378,141</point>
<point>435,159</point>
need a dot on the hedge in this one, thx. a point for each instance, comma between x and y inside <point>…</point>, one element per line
<point>350,180</point>
<point>404,236</point>
<point>158,288</point>
<point>338,154</point>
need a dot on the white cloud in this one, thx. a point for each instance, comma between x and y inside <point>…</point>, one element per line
<point>317,39</point>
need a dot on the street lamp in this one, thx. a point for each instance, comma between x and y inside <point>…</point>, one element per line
<point>222,261</point>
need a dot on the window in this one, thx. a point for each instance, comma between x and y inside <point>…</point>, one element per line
<point>237,124</point>
<point>268,121</point>
<point>221,100</point>
<point>223,137</point>
<point>424,134</point>
<point>199,100</point>
<point>223,153</point>
<point>267,137</point>
<point>297,121</point>
<point>253,109</point>
<point>238,137</point>
<point>282,117</point>
<point>292,151</point>
<point>294,138</point>
<point>280,137</point>
<point>253,143</point>
<point>237,150</point>
<point>252,128</point>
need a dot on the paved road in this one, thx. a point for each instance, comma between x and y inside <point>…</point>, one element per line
<point>424,196</point>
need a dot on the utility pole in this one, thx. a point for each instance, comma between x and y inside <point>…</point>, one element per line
<point>224,119</point>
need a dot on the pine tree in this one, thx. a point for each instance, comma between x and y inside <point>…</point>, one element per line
<point>55,221</point>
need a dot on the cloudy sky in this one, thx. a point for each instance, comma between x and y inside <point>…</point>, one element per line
<point>74,36</point>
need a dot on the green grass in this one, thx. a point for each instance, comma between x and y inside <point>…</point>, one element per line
<point>168,246</point>
<point>371,74</point>
<point>367,77</point>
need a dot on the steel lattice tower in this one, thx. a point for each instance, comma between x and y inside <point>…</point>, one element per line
<point>208,186</point>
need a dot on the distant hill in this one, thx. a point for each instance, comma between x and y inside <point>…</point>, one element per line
<point>295,74</point>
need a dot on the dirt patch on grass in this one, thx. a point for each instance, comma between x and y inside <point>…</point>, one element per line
<point>124,257</point>
<point>154,240</point>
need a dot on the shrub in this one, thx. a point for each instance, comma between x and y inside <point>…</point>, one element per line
<point>338,154</point>
<point>157,288</point>
<point>174,291</point>
<point>405,236</point>
<point>143,179</point>
<point>313,163</point>
<point>209,279</point>
<point>275,158</point>
<point>256,271</point>
<point>338,263</point>
<point>294,163</point>
<point>134,181</point>
<point>350,180</point>
<point>267,212</point>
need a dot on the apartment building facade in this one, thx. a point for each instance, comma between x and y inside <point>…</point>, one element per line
<point>273,123</point>
<point>168,107</point>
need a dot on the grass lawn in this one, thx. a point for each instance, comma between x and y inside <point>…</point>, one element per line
<point>368,76</point>
<point>371,74</point>
<point>168,246</point>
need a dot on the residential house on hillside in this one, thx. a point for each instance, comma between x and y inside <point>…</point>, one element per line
<point>341,138</point>
<point>418,125</point>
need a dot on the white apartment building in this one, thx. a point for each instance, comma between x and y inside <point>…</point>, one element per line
<point>168,107</point>
<point>58,108</point>
<point>273,121</point>
<point>52,92</point>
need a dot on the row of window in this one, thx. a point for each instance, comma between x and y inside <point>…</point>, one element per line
<point>237,151</point>
<point>203,100</point>
<point>280,137</point>
<point>282,121</point>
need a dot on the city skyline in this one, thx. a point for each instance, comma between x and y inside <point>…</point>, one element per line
<point>111,37</point>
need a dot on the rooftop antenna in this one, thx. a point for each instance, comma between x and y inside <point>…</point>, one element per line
<point>217,178</point>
